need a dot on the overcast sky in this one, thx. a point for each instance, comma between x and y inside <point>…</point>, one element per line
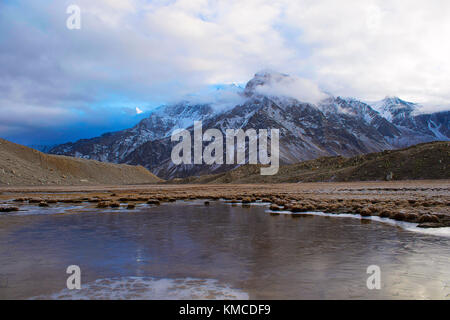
<point>58,84</point>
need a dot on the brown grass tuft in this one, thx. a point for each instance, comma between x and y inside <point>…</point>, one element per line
<point>400,216</point>
<point>428,218</point>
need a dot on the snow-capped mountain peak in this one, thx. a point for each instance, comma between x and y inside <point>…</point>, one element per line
<point>394,108</point>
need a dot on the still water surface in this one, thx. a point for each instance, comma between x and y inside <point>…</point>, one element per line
<point>187,250</point>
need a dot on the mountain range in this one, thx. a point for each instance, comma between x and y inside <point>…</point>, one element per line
<point>331,126</point>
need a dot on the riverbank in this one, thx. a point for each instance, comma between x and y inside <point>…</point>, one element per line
<point>426,202</point>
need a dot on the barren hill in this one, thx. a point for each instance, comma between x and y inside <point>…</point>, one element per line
<point>422,161</point>
<point>20,165</point>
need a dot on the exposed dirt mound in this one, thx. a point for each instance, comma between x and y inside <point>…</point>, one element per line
<point>422,161</point>
<point>20,165</point>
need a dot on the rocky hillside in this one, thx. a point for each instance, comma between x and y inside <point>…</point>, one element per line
<point>331,127</point>
<point>20,165</point>
<point>423,161</point>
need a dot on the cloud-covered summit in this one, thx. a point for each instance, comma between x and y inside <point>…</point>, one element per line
<point>272,83</point>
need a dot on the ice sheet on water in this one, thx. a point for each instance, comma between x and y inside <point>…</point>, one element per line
<point>148,288</point>
<point>442,232</point>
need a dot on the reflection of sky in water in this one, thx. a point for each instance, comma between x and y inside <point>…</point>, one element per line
<point>59,208</point>
<point>241,248</point>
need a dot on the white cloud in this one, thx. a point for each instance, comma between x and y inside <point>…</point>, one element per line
<point>277,84</point>
<point>367,48</point>
<point>165,48</point>
<point>375,48</point>
<point>220,98</point>
<point>162,50</point>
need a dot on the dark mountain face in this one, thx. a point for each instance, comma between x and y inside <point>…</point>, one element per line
<point>433,125</point>
<point>335,126</point>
